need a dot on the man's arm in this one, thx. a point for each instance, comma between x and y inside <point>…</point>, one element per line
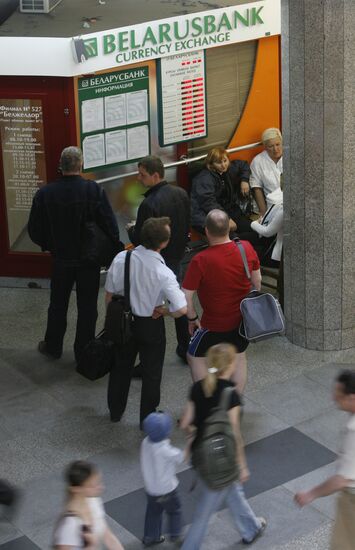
<point>106,219</point>
<point>272,228</point>
<point>134,232</point>
<point>260,199</point>
<point>328,487</point>
<point>255,279</point>
<point>35,225</point>
<point>192,316</point>
<point>243,169</point>
<point>178,313</point>
<point>108,297</point>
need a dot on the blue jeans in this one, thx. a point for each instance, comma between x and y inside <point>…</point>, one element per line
<point>154,516</point>
<point>243,516</point>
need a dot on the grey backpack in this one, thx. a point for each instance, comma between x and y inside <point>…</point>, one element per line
<point>214,452</point>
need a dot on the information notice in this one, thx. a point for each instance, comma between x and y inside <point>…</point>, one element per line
<point>23,155</point>
<point>182,101</point>
<point>114,117</point>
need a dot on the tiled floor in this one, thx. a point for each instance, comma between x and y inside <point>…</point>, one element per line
<point>49,415</point>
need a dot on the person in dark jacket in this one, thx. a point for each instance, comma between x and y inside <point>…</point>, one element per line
<point>164,199</point>
<point>57,224</point>
<point>222,185</point>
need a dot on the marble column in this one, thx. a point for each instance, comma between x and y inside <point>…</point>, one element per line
<point>318,123</point>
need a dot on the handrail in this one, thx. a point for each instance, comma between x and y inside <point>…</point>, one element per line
<point>183,161</point>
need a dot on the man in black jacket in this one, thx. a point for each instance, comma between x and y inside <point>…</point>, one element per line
<point>164,199</point>
<point>57,221</point>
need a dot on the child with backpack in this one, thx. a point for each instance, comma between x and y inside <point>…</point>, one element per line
<point>158,463</point>
<point>211,419</point>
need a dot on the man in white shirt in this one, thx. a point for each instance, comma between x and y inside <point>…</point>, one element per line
<point>154,293</point>
<point>266,168</point>
<point>344,480</point>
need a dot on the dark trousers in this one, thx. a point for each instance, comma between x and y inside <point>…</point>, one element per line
<point>7,493</point>
<point>87,281</point>
<point>169,503</point>
<point>148,339</point>
<point>181,323</point>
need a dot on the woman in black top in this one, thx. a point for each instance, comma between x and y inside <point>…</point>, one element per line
<point>204,396</point>
<point>223,185</point>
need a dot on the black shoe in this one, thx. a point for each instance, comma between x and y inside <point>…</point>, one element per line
<point>154,542</point>
<point>42,348</point>
<point>137,371</point>
<point>182,354</point>
<point>115,417</point>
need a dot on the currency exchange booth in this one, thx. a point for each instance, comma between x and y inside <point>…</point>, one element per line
<point>172,87</point>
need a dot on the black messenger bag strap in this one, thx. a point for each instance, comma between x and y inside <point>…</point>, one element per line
<point>126,287</point>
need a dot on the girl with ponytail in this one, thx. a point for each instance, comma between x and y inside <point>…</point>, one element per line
<point>204,396</point>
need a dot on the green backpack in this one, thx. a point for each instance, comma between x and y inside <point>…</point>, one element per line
<point>214,452</point>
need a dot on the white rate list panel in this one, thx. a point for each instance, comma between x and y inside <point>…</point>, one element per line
<point>182,98</point>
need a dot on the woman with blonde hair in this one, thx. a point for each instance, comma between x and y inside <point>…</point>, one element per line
<point>266,168</point>
<point>224,185</point>
<point>83,523</point>
<point>204,396</point>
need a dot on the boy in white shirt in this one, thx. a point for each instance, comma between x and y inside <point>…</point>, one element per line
<point>158,463</point>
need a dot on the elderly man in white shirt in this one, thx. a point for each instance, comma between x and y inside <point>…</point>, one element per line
<point>344,480</point>
<point>266,168</point>
<point>154,293</point>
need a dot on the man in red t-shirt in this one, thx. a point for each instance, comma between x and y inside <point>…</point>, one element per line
<point>218,276</point>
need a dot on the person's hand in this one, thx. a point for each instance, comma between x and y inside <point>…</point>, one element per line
<point>194,325</point>
<point>160,311</point>
<point>244,188</point>
<point>232,225</point>
<point>89,539</point>
<point>304,498</point>
<point>244,474</point>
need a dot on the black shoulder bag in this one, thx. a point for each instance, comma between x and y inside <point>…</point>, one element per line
<point>118,322</point>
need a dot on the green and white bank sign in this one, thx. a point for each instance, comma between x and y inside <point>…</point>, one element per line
<point>177,35</point>
<point>89,53</point>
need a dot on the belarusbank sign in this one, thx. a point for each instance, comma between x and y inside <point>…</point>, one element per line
<point>181,34</point>
<point>152,40</point>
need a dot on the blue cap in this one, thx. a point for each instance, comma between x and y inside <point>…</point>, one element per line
<point>157,426</point>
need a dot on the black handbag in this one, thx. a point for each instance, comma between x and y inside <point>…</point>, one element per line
<point>97,358</point>
<point>261,312</point>
<point>119,317</point>
<point>97,248</point>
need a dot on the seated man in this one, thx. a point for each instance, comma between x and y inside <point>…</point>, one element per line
<point>266,233</point>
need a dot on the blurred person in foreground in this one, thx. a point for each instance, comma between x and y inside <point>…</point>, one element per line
<point>204,396</point>
<point>343,481</point>
<point>83,521</point>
